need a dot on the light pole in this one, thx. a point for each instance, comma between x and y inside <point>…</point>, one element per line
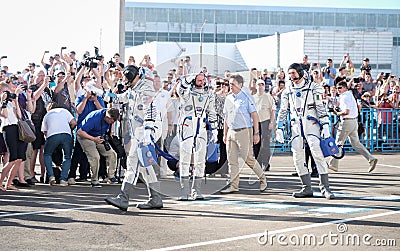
<point>201,43</point>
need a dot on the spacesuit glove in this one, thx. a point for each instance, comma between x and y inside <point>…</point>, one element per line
<point>214,136</point>
<point>325,133</point>
<point>279,136</point>
<point>147,138</point>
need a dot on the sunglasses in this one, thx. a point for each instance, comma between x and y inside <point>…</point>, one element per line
<point>339,88</point>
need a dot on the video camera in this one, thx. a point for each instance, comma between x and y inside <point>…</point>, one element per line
<point>31,87</point>
<point>10,96</point>
<point>106,144</point>
<point>112,64</point>
<point>91,61</point>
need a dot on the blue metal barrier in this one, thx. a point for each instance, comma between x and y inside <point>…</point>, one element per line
<point>382,129</point>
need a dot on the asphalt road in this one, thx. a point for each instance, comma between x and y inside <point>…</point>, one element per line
<point>365,215</point>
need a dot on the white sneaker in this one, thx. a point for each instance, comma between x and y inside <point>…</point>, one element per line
<point>52,181</point>
<point>63,183</point>
<point>372,165</point>
<point>71,181</point>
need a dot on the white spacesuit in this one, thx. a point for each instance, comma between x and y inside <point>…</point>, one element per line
<point>197,107</point>
<point>143,121</point>
<point>308,114</point>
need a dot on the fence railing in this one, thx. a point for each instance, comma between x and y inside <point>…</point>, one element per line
<point>381,131</point>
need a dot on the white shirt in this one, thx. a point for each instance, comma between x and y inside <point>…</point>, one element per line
<point>56,121</point>
<point>11,118</point>
<point>348,102</point>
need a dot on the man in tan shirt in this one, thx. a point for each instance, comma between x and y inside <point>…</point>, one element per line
<point>266,110</point>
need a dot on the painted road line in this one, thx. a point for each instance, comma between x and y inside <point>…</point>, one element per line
<point>284,230</point>
<point>388,165</point>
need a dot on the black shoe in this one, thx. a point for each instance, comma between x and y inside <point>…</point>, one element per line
<point>266,167</point>
<point>30,182</point>
<point>15,182</point>
<point>81,179</point>
<point>20,184</point>
<point>42,180</point>
<point>295,174</point>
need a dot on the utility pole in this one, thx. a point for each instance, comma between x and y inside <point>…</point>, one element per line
<point>122,29</point>
<point>201,43</point>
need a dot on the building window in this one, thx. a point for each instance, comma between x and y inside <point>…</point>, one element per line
<point>128,14</point>
<point>252,17</point>
<point>371,20</point>
<point>175,15</point>
<point>392,21</point>
<point>139,15</point>
<point>382,21</point>
<point>230,38</point>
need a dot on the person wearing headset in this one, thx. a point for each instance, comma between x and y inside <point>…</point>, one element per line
<point>304,99</point>
<point>143,123</point>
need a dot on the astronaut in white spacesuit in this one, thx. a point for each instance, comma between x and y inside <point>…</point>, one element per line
<point>143,121</point>
<point>308,114</point>
<point>197,109</point>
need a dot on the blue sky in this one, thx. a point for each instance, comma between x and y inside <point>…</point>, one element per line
<point>368,4</point>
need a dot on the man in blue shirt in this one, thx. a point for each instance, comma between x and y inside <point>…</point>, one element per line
<point>240,119</point>
<point>329,73</point>
<point>85,104</point>
<point>90,136</point>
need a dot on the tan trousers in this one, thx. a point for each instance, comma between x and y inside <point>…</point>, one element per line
<point>241,142</point>
<point>348,128</point>
<point>93,151</point>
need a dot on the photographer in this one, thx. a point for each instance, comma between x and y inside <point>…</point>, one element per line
<point>57,125</point>
<point>92,137</point>
<point>41,98</point>
<point>61,93</point>
<point>9,114</point>
<point>85,104</point>
<point>329,72</point>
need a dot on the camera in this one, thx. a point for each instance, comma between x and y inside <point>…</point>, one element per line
<point>112,63</point>
<point>106,144</point>
<point>3,57</point>
<point>52,78</point>
<point>89,61</point>
<point>337,109</point>
<point>46,51</point>
<point>10,96</point>
<point>33,87</point>
<point>356,80</point>
<point>63,48</point>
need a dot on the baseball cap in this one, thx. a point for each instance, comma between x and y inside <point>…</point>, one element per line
<point>260,81</point>
<point>366,59</point>
<point>58,72</point>
<point>32,64</point>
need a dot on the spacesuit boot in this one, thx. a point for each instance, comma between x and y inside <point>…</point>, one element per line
<point>324,186</point>
<point>306,190</point>
<point>122,199</point>
<point>155,201</point>
<point>196,193</point>
<point>185,189</point>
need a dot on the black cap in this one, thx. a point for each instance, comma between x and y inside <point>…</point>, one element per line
<point>366,59</point>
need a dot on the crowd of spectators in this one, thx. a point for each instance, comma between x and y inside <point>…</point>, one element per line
<point>77,85</point>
